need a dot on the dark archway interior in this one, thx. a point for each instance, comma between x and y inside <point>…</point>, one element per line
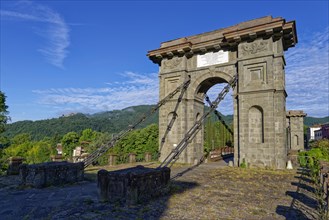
<point>207,84</point>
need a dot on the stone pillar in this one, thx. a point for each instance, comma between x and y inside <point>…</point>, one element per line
<point>261,103</point>
<point>132,158</point>
<point>172,75</point>
<point>14,164</point>
<point>148,157</point>
<point>112,159</point>
<point>295,122</point>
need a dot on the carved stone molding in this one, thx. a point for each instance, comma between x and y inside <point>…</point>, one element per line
<point>253,48</point>
<point>172,63</point>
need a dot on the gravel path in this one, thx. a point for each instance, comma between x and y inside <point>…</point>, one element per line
<point>209,191</point>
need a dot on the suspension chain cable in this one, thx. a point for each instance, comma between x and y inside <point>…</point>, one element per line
<point>100,151</point>
<point>174,154</point>
<point>220,118</point>
<point>172,121</point>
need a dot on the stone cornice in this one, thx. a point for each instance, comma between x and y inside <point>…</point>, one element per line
<point>296,113</point>
<point>228,38</point>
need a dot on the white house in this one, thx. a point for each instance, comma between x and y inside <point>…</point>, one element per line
<point>311,132</point>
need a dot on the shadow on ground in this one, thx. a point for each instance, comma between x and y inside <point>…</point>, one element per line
<point>151,209</point>
<point>80,201</point>
<point>304,204</point>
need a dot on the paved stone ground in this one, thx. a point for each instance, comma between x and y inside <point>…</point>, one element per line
<point>209,191</point>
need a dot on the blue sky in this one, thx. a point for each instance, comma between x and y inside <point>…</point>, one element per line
<point>59,57</point>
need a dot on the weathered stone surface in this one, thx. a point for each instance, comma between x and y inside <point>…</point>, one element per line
<point>14,164</point>
<point>132,185</point>
<point>132,158</point>
<point>112,159</point>
<point>51,173</point>
<point>57,158</point>
<point>148,157</point>
<point>256,56</point>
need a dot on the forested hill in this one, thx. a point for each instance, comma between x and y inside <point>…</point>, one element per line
<point>308,121</point>
<point>112,122</point>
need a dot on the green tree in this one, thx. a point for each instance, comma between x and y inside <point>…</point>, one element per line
<point>40,152</point>
<point>21,150</point>
<point>101,140</point>
<point>3,112</point>
<point>69,142</point>
<point>88,135</point>
<point>21,138</point>
<point>138,142</point>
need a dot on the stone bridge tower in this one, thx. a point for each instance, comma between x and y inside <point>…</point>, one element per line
<point>254,52</point>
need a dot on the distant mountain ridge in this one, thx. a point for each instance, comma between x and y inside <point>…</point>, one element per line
<point>309,121</point>
<point>110,121</point>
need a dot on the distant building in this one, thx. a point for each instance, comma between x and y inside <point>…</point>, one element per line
<point>311,132</point>
<point>79,154</point>
<point>78,151</point>
<point>318,134</point>
<point>59,149</point>
<point>325,130</point>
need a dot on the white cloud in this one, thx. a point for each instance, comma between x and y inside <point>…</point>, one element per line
<point>138,89</point>
<point>226,105</point>
<point>307,75</point>
<point>56,34</point>
<point>307,81</point>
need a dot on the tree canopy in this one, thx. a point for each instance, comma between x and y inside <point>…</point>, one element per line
<point>3,112</point>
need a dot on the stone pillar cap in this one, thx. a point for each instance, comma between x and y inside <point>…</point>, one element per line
<point>296,113</point>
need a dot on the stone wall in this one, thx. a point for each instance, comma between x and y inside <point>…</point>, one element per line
<point>51,174</point>
<point>132,185</point>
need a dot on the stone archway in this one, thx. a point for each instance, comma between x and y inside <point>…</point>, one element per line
<point>254,52</point>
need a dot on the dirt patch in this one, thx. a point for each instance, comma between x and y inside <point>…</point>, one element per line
<point>210,191</point>
<point>233,193</point>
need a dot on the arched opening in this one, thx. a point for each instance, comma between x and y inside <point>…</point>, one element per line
<point>296,140</point>
<point>256,124</point>
<point>217,127</point>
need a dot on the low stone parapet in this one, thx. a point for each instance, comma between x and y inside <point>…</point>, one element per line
<point>14,164</point>
<point>51,174</point>
<point>132,185</point>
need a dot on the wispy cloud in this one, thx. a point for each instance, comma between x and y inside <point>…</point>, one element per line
<point>138,89</point>
<point>56,33</point>
<point>307,74</point>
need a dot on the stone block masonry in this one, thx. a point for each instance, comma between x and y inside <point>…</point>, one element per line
<point>51,174</point>
<point>132,185</point>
